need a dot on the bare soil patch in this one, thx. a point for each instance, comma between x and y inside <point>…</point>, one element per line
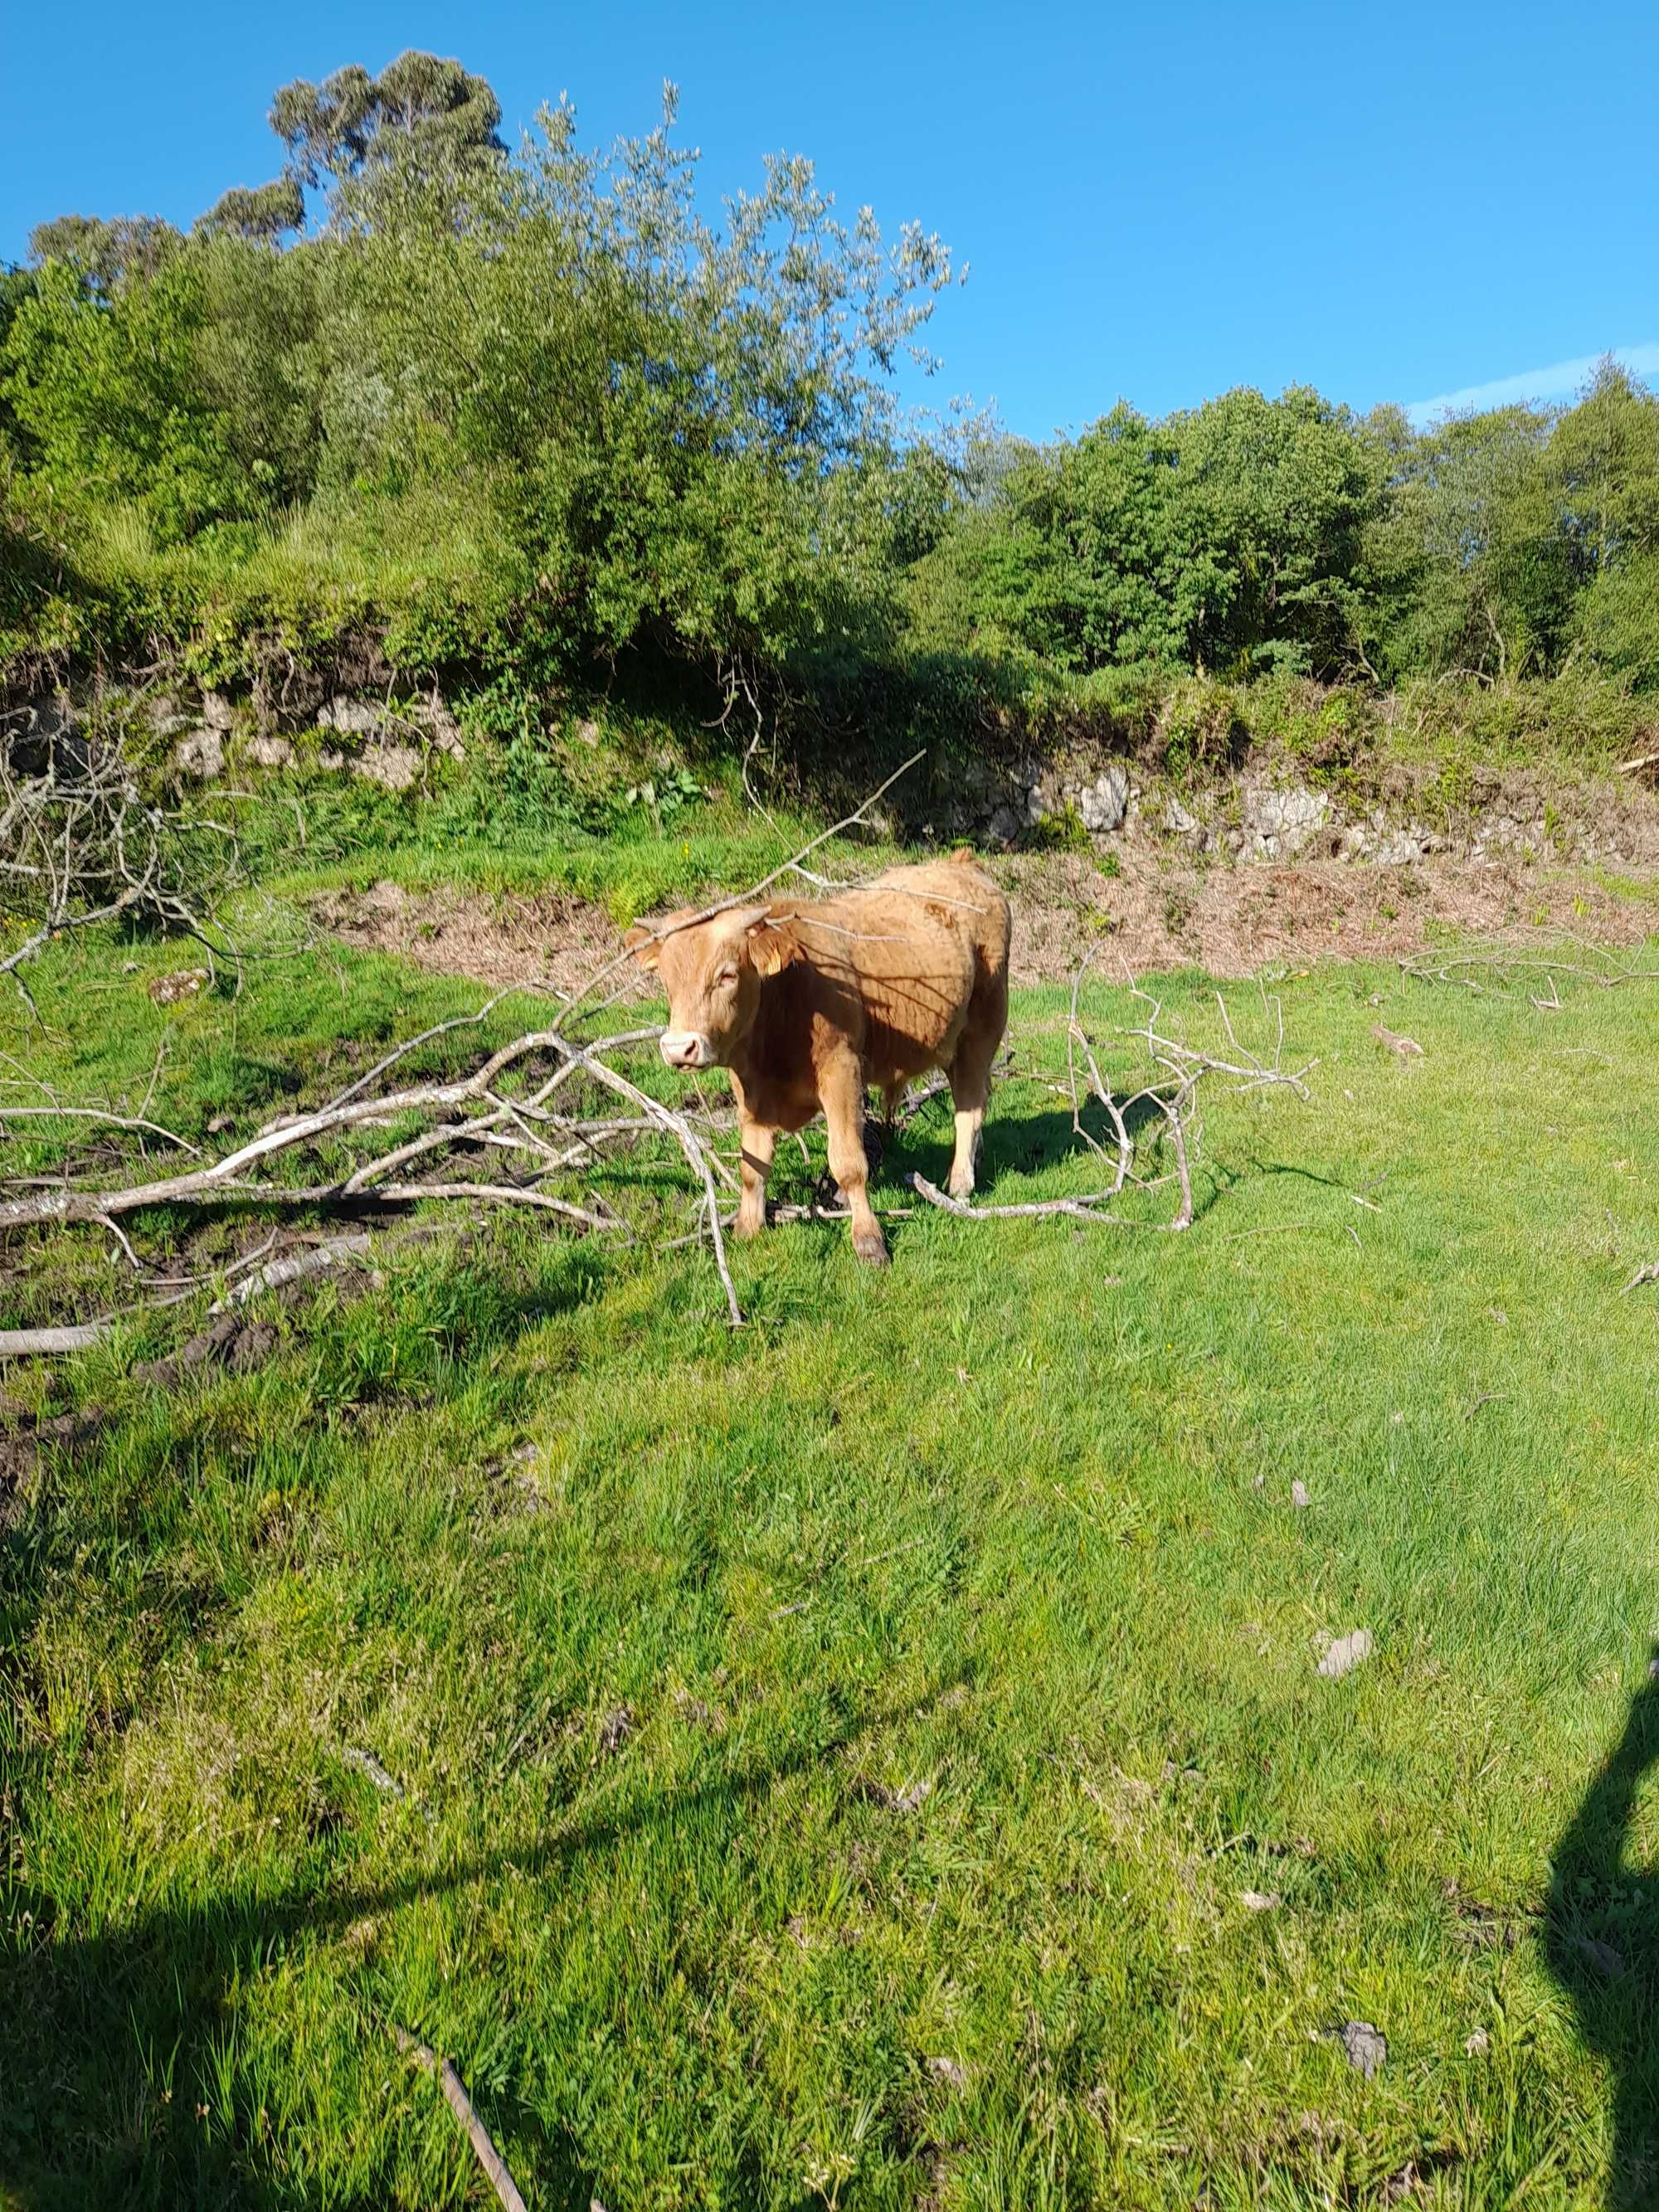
<point>25,1440</point>
<point>1231,921</point>
<point>552,941</point>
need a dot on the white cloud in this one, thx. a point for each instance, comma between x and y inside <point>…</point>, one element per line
<point>1561,381</point>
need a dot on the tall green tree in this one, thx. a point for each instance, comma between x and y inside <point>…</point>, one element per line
<point>107,251</point>
<point>265,213</point>
<point>1603,466</point>
<point>420,107</point>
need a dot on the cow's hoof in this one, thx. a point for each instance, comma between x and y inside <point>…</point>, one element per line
<point>871,1249</point>
<point>960,1188</point>
<point>742,1230</point>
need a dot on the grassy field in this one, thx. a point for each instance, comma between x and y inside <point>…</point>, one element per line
<point>876,1758</point>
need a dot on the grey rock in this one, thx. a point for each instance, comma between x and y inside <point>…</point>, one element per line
<point>1285,820</point>
<point>1601,1958</point>
<point>1365,2046</point>
<point>1179,823</point>
<point>201,756</point>
<point>441,726</point>
<point>166,719</point>
<point>1104,803</point>
<point>396,767</point>
<point>355,718</point>
<point>1299,1493</point>
<point>271,752</point>
<point>977,779</point>
<point>218,712</point>
<point>1347,1653</point>
<point>1036,808</point>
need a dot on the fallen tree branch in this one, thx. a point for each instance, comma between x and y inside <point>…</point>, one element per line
<point>38,1343</point>
<point>1501,968</point>
<point>80,844</point>
<point>1178,1068</point>
<point>460,2104</point>
<point>1085,1208</point>
<point>311,1259</point>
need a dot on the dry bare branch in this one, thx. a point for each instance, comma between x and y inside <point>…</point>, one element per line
<point>1498,968</point>
<point>455,2096</point>
<point>80,844</point>
<point>294,1267</point>
<point>38,1343</point>
<point>1178,1068</point>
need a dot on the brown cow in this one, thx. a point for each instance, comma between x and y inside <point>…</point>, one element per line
<point>808,1005</point>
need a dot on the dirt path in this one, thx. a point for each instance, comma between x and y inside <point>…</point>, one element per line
<point>1230,921</point>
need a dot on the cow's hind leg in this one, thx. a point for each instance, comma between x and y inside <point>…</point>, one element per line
<point>970,1081</point>
<point>841,1091</point>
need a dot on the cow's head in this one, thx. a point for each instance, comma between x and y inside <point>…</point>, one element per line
<point>712,971</point>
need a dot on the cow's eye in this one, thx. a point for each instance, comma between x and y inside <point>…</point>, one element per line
<point>727,976</point>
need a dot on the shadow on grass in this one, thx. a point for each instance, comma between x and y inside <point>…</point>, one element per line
<point>1014,1143</point>
<point>94,2028</point>
<point>1603,1947</point>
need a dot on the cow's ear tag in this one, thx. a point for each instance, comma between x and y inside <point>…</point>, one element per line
<point>642,942</point>
<point>770,947</point>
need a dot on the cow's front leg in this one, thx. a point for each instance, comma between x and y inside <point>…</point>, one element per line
<point>757,1141</point>
<point>842,1093</point>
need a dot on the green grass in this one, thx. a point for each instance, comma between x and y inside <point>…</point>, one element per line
<point>661,1627</point>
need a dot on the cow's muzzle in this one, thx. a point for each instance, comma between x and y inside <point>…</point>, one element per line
<point>686,1049</point>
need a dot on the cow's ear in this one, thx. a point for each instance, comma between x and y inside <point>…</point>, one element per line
<point>772,943</point>
<point>645,945</point>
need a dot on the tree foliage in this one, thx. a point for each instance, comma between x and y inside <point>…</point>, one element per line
<point>679,437</point>
<point>419,105</point>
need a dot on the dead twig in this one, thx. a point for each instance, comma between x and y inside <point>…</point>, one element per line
<point>460,2104</point>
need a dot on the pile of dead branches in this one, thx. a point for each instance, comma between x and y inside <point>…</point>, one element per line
<point>1162,1096</point>
<point>531,1108</point>
<point>1501,970</point>
<point>80,842</point>
<point>546,1120</point>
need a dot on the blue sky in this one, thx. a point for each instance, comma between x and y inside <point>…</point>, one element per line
<point>1157,202</point>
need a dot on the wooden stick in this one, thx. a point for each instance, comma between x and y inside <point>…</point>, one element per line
<point>32,1343</point>
<point>293,1267</point>
<point>461,2105</point>
<point>1085,1208</point>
